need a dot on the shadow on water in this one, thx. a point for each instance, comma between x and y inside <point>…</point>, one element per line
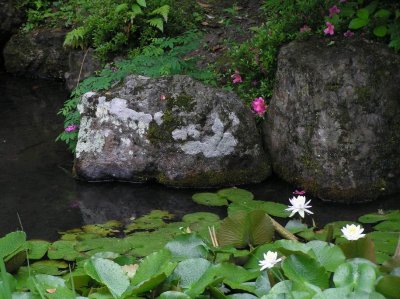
<point>34,182</point>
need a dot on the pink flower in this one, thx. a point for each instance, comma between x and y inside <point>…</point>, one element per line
<point>71,128</point>
<point>333,10</point>
<point>299,192</point>
<point>348,33</point>
<point>330,29</point>
<point>258,106</point>
<point>236,78</point>
<point>163,97</point>
<point>305,28</point>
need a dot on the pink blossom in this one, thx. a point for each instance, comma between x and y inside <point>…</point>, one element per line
<point>305,28</point>
<point>236,78</point>
<point>333,10</point>
<point>163,97</point>
<point>299,192</point>
<point>258,106</point>
<point>71,128</point>
<point>348,33</point>
<point>330,29</point>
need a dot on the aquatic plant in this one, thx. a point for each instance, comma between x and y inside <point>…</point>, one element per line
<point>155,257</point>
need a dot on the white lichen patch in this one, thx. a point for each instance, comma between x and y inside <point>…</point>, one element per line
<point>184,132</point>
<point>158,118</point>
<point>220,144</point>
<point>90,141</point>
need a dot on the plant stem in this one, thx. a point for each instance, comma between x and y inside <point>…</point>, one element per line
<point>283,231</point>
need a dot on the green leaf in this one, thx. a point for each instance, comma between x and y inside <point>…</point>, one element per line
<point>295,226</point>
<point>108,273</point>
<point>293,247</point>
<point>37,249</point>
<point>244,228</point>
<point>154,265</point>
<point>189,271</point>
<point>157,22</point>
<point>209,199</point>
<point>335,293</point>
<point>236,194</point>
<point>383,13</point>
<point>187,246</point>
<point>141,2</point>
<point>63,250</point>
<point>380,31</point>
<point>201,217</point>
<point>363,13</point>
<point>358,23</point>
<point>389,286</point>
<point>388,226</point>
<point>275,209</point>
<point>328,255</point>
<point>50,267</point>
<point>356,274</point>
<point>173,295</point>
<point>377,217</point>
<point>385,241</point>
<point>12,243</point>
<point>163,11</point>
<point>362,248</point>
<point>304,269</point>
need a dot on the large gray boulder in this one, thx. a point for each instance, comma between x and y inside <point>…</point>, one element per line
<point>333,125</point>
<point>197,136</point>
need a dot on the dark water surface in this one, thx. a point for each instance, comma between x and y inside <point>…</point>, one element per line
<point>35,182</point>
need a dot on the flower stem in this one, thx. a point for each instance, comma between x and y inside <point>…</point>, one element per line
<point>283,231</point>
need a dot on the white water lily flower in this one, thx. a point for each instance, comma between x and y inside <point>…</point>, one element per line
<point>299,205</point>
<point>270,260</point>
<point>352,232</point>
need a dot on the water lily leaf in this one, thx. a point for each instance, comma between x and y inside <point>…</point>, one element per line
<point>356,274</point>
<point>304,269</point>
<point>275,209</point>
<point>201,217</point>
<point>244,228</point>
<point>288,247</point>
<point>295,226</point>
<point>11,244</point>
<point>233,273</point>
<point>157,214</point>
<point>328,255</point>
<point>333,293</point>
<point>173,295</point>
<point>377,217</point>
<point>389,286</point>
<point>147,285</point>
<point>385,242</point>
<point>108,273</point>
<point>241,296</point>
<point>187,246</point>
<point>144,243</point>
<point>153,265</point>
<point>365,295</point>
<point>189,271</point>
<point>209,199</point>
<point>92,246</point>
<point>63,250</point>
<point>388,226</point>
<point>54,287</point>
<point>262,284</point>
<point>37,249</point>
<point>24,295</point>
<point>50,267</point>
<point>236,194</point>
<point>147,224</point>
<point>362,248</point>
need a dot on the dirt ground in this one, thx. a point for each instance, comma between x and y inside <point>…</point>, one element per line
<point>226,23</point>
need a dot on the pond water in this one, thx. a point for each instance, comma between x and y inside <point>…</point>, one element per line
<point>37,187</point>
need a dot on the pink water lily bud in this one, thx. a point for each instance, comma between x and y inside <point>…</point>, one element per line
<point>330,29</point>
<point>236,78</point>
<point>258,106</point>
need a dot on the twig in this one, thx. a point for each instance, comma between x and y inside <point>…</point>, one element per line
<point>80,71</point>
<point>283,231</point>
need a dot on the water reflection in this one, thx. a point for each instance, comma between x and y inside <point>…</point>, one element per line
<point>36,184</point>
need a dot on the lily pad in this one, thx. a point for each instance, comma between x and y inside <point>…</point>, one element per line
<point>236,194</point>
<point>388,226</point>
<point>37,249</point>
<point>50,267</point>
<point>209,199</point>
<point>377,217</point>
<point>201,217</point>
<point>63,250</point>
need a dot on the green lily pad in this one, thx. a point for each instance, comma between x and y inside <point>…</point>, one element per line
<point>389,286</point>
<point>388,226</point>
<point>295,226</point>
<point>201,217</point>
<point>377,217</point>
<point>187,246</point>
<point>50,267</point>
<point>63,250</point>
<point>209,199</point>
<point>385,242</point>
<point>236,194</point>
<point>37,249</point>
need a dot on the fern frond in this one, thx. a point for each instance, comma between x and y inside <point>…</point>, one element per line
<point>75,38</point>
<point>141,2</point>
<point>162,11</point>
<point>157,22</point>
